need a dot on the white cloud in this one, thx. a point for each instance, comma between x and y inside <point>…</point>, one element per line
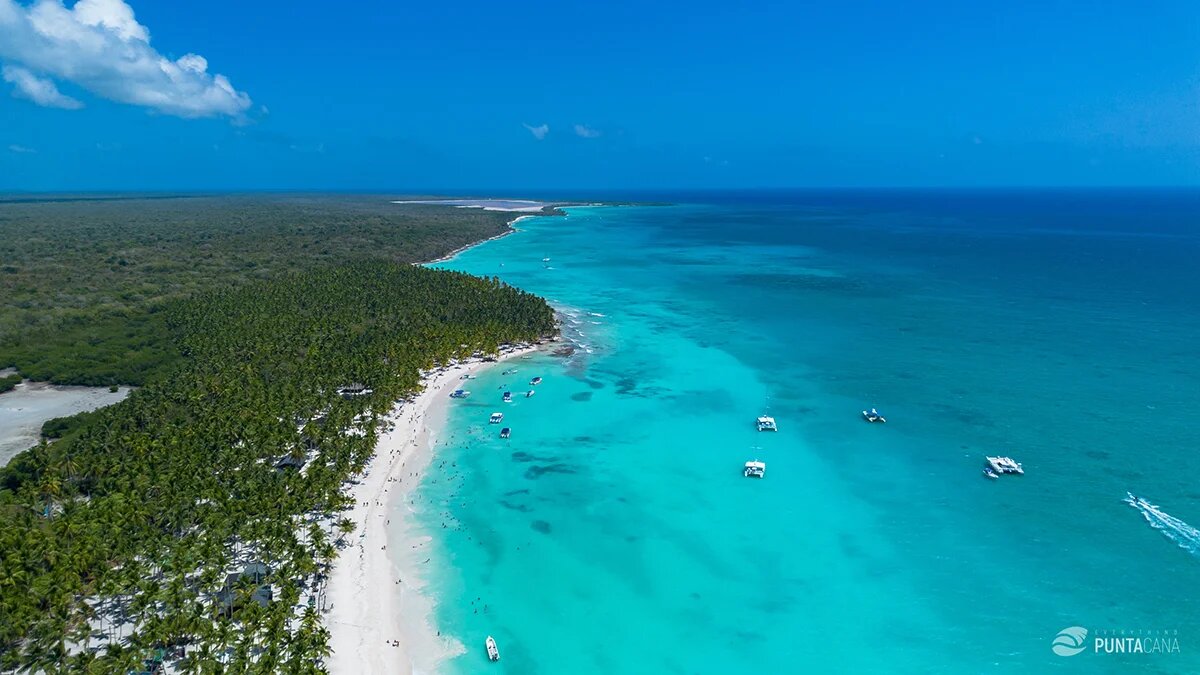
<point>20,149</point>
<point>584,131</point>
<point>539,132</point>
<point>37,89</point>
<point>99,46</point>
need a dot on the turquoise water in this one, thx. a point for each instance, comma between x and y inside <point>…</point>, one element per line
<point>614,533</point>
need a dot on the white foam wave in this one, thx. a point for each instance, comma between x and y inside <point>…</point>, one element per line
<point>1184,535</point>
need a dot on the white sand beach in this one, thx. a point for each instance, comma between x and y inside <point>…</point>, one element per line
<point>378,620</point>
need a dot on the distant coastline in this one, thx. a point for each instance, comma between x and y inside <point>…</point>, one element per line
<point>511,230</point>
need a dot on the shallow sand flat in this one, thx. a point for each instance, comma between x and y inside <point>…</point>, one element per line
<point>24,409</point>
<point>485,204</point>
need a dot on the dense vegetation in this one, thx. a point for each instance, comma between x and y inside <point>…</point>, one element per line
<point>120,536</point>
<point>9,382</point>
<point>84,282</point>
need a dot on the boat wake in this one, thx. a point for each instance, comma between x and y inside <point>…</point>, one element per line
<point>1184,535</point>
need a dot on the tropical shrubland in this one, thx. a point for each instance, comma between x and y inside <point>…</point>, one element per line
<point>84,281</point>
<point>122,541</point>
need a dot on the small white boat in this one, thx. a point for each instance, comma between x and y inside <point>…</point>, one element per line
<point>873,416</point>
<point>767,424</point>
<point>545,260</point>
<point>492,649</point>
<point>988,473</point>
<point>496,418</point>
<point>755,469</point>
<point>535,381</point>
<point>508,397</point>
<point>530,393</point>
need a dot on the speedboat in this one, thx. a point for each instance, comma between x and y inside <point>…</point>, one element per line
<point>755,469</point>
<point>987,471</point>
<point>492,650</point>
<point>495,418</point>
<point>535,381</point>
<point>505,432</point>
<point>508,397</point>
<point>530,393</point>
<point>873,416</point>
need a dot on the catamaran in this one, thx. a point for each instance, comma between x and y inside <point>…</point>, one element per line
<point>505,432</point>
<point>495,418</point>
<point>460,393</point>
<point>1004,465</point>
<point>508,397</point>
<point>755,469</point>
<point>767,424</point>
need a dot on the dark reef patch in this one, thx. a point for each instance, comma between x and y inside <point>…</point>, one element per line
<point>521,456</point>
<point>523,508</point>
<point>626,385</point>
<point>535,472</point>
<point>541,526</point>
<point>582,396</point>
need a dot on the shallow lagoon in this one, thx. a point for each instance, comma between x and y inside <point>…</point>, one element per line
<point>24,409</point>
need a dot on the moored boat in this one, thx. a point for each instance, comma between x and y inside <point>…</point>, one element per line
<point>755,469</point>
<point>460,393</point>
<point>873,416</point>
<point>508,397</point>
<point>492,650</point>
<point>505,432</point>
<point>535,381</point>
<point>530,393</point>
<point>496,418</point>
<point>767,424</point>
<point>1005,465</point>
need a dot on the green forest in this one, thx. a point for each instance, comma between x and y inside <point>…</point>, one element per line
<point>84,282</point>
<point>117,540</point>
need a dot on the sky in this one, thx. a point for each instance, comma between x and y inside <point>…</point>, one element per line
<point>154,95</point>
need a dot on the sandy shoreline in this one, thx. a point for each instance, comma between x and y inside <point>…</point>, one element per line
<point>455,252</point>
<point>379,622</point>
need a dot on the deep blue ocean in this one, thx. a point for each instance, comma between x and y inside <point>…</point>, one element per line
<point>615,533</point>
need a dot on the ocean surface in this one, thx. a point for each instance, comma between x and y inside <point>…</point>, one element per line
<point>614,531</point>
